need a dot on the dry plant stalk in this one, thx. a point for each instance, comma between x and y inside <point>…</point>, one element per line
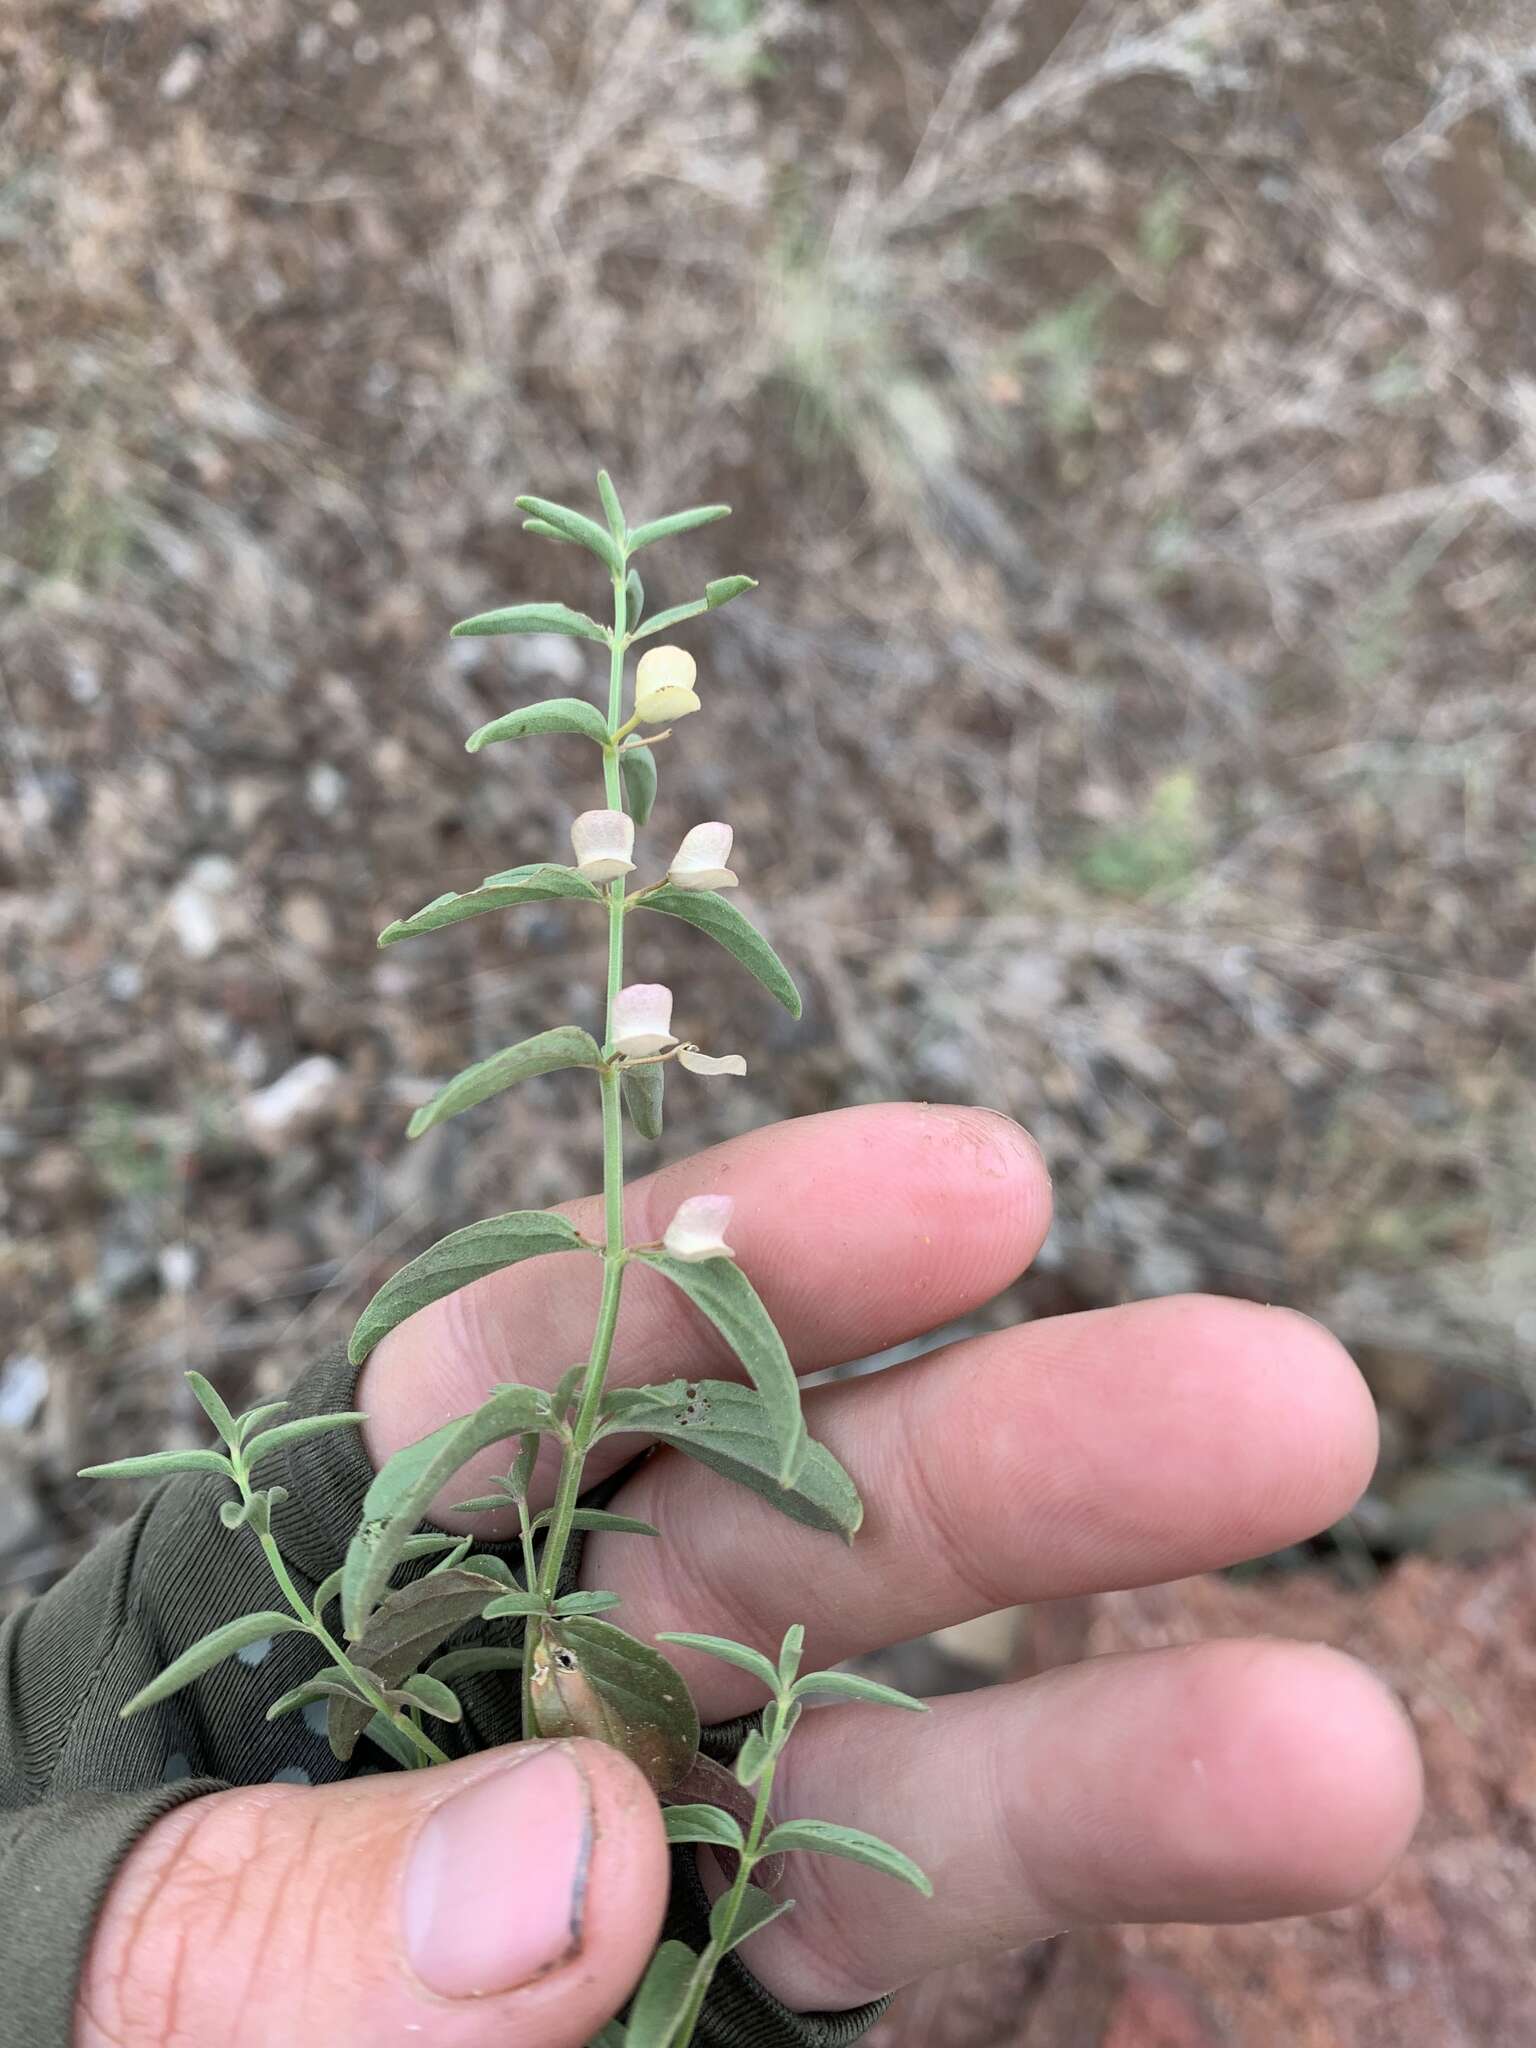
<point>391,1659</point>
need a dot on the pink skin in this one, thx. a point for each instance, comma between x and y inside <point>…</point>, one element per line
<point>1225,1781</point>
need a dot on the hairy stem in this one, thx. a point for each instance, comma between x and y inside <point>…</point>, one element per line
<point>720,1941</point>
<point>568,1490</point>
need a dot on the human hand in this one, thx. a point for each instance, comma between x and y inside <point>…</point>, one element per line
<point>513,1898</point>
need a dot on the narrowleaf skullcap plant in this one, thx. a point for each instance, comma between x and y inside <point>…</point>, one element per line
<point>388,1661</point>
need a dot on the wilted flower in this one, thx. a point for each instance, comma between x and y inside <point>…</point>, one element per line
<point>700,862</point>
<point>603,840</point>
<point>697,1231</point>
<point>642,1019</point>
<point>698,1062</point>
<point>664,678</point>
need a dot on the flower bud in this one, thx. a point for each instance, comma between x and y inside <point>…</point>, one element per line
<point>664,678</point>
<point>603,840</point>
<point>642,1019</point>
<point>700,862</point>
<point>697,1231</point>
<point>700,1062</point>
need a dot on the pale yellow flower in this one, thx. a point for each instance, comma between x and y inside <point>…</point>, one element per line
<point>664,679</point>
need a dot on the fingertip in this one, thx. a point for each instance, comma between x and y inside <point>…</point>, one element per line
<point>1304,1778</point>
<point>1334,1401</point>
<point>1266,1401</point>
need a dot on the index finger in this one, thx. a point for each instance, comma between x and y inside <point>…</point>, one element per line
<point>860,1228</point>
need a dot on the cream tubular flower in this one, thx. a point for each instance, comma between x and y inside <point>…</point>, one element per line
<point>697,1231</point>
<point>642,1019</point>
<point>700,862</point>
<point>664,679</point>
<point>604,841</point>
<point>698,1062</point>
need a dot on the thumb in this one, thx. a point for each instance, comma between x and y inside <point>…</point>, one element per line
<point>511,1899</point>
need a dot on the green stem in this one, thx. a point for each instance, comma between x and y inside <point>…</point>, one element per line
<point>568,1489</point>
<point>530,1580</point>
<point>720,1943</point>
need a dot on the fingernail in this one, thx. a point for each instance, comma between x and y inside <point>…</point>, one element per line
<point>497,1880</point>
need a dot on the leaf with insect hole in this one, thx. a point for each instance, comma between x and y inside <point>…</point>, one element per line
<point>728,1428</point>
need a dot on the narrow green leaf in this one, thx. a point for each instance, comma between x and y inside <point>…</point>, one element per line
<point>159,1465</point>
<point>634,600</point>
<point>545,1053</point>
<point>826,1838</point>
<point>543,882</point>
<point>287,1433</point>
<point>565,1395</point>
<point>233,1513</point>
<point>494,1568</point>
<point>675,615</point>
<point>790,1652</point>
<point>555,714</point>
<point>457,1260</point>
<point>599,1518</point>
<point>326,1684</point>
<point>428,1544</point>
<point>393,1741</point>
<point>544,530</point>
<point>757,1908</point>
<point>676,522</point>
<point>575,526</point>
<point>644,1092</point>
<point>637,772</point>
<point>591,1678</point>
<point>704,1824</point>
<point>513,1606</point>
<point>658,2004</point>
<point>253,1418</point>
<point>728,1428</point>
<point>407,1484</point>
<point>744,1658</point>
<point>484,1504</point>
<point>844,1685</point>
<point>612,2036</point>
<point>753,1758</point>
<point>722,1292</point>
<point>214,1407</point>
<point>531,618</point>
<point>724,588</point>
<point>613,511</point>
<point>432,1696</point>
<point>587,1603</point>
<point>459,1552</point>
<point>213,1649</point>
<point>725,924</point>
<point>474,1662</point>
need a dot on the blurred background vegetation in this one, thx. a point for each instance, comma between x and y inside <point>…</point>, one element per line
<point>1129,410</point>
